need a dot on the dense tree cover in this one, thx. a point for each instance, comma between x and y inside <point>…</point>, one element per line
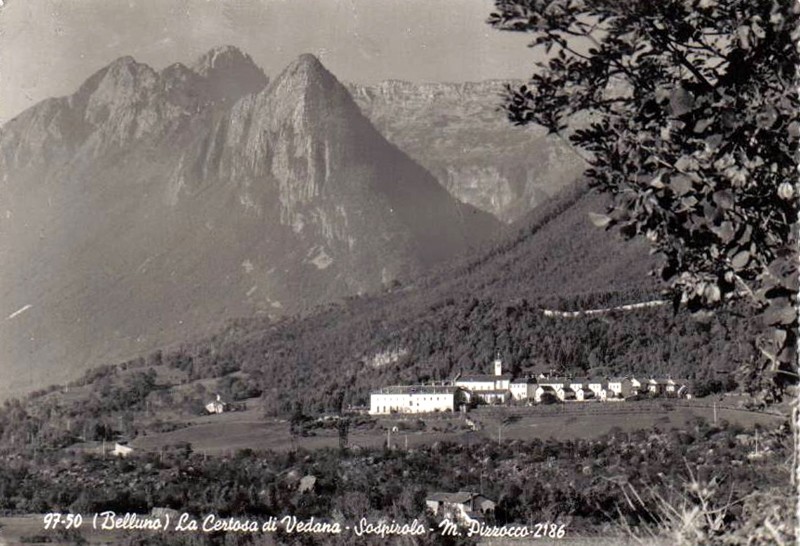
<point>326,366</point>
<point>578,482</point>
<point>687,112</point>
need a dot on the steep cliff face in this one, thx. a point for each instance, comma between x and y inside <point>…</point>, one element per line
<point>459,134</point>
<point>150,206</point>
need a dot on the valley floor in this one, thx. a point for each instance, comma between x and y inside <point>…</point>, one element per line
<point>229,432</point>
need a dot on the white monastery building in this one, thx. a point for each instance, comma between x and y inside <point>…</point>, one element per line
<point>415,399</point>
<point>500,388</point>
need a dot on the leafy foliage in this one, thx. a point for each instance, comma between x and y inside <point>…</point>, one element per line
<point>687,113</point>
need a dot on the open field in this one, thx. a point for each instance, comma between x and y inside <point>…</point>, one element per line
<point>228,432</point>
<point>598,419</point>
<point>233,431</point>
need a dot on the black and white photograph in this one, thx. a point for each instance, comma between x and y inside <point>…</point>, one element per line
<point>399,272</point>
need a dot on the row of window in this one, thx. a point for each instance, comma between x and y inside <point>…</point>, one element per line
<point>394,409</point>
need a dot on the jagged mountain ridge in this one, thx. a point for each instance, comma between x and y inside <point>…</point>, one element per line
<point>458,133</point>
<point>150,206</point>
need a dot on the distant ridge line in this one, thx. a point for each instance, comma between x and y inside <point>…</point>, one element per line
<point>604,310</point>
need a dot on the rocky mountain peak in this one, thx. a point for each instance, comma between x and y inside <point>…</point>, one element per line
<point>306,73</point>
<point>306,85</point>
<point>124,72</point>
<point>177,71</point>
<point>308,62</point>
<point>126,61</point>
<point>127,71</point>
<point>229,73</point>
<point>220,57</point>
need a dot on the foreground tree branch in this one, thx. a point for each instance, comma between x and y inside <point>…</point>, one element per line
<point>688,112</point>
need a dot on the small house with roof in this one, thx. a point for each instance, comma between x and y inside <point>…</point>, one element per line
<point>579,383</point>
<point>216,406</point>
<point>544,390</point>
<point>622,387</point>
<point>670,386</point>
<point>121,449</point>
<point>523,388</point>
<point>664,385</point>
<point>683,391</point>
<point>676,387</point>
<point>636,385</point>
<point>581,395</point>
<point>597,386</point>
<point>464,506</point>
<point>565,394</point>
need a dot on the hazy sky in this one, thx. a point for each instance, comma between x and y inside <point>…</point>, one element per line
<point>49,47</point>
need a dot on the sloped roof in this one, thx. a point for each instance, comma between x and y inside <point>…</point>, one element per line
<point>553,381</point>
<point>483,378</point>
<point>417,389</point>
<point>493,391</point>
